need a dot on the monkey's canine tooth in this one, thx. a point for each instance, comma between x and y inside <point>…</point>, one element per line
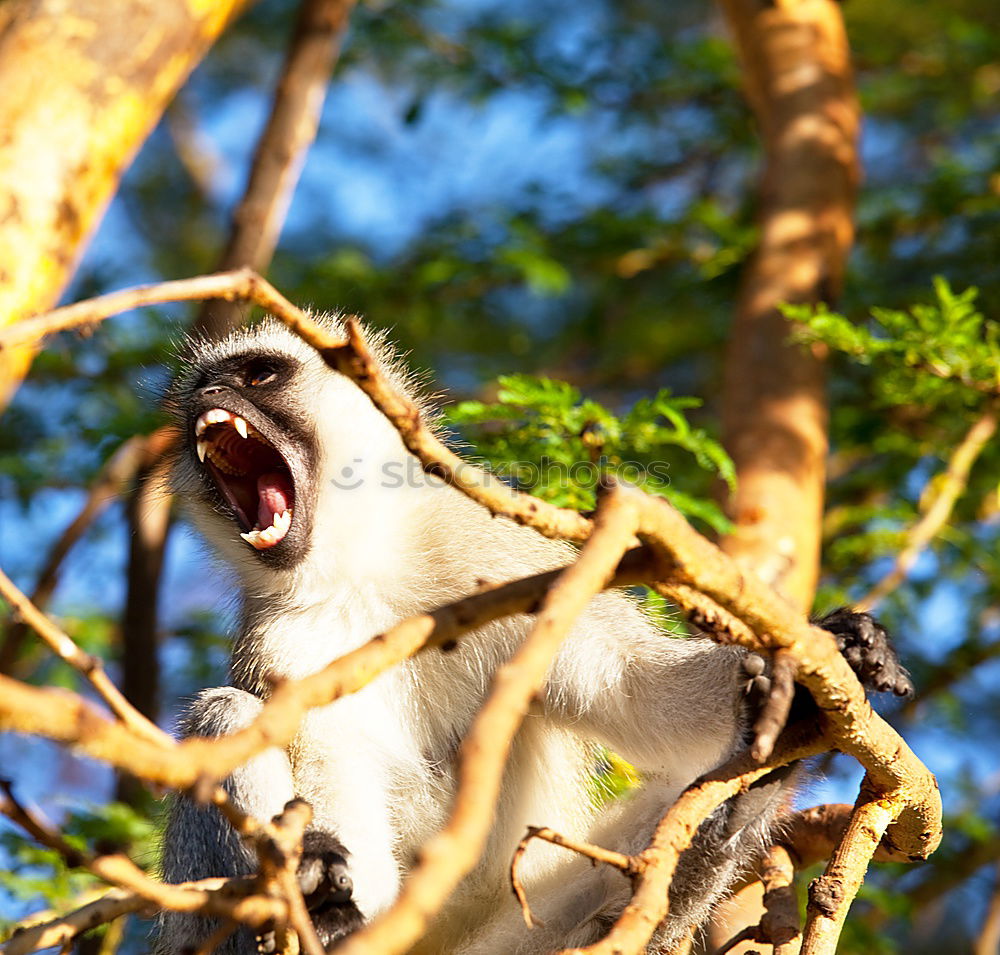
<point>273,534</point>
<point>241,426</point>
<point>210,417</point>
<point>202,448</point>
<point>252,538</point>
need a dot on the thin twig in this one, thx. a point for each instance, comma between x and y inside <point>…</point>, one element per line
<point>89,666</point>
<point>236,284</point>
<point>949,489</point>
<point>518,888</point>
<point>619,860</point>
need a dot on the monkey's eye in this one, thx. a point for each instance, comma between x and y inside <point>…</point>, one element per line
<point>260,373</point>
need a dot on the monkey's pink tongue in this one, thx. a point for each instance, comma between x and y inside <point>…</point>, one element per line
<point>275,496</point>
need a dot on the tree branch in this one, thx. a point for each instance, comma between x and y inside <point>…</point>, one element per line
<point>737,607</point>
<point>67,718</point>
<point>950,489</point>
<point>850,721</point>
<point>281,150</point>
<point>797,76</point>
<point>619,860</point>
<point>656,864</point>
<point>89,666</point>
<point>116,473</point>
<point>451,854</point>
<point>780,924</point>
<point>830,895</point>
<point>232,898</point>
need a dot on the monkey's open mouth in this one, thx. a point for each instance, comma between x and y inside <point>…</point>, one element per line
<point>251,474</point>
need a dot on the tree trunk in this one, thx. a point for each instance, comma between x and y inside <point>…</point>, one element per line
<point>84,82</point>
<point>797,74</point>
<point>798,81</point>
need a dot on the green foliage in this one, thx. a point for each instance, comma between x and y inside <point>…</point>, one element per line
<point>41,876</point>
<point>546,438</point>
<point>928,354</point>
<point>613,778</point>
<point>617,274</point>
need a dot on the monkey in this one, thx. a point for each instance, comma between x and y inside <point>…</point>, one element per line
<point>306,492</point>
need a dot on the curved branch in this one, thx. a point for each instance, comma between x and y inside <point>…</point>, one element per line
<point>452,853</point>
<point>281,151</point>
<point>830,895</point>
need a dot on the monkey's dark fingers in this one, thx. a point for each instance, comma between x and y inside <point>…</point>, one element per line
<point>756,682</point>
<point>267,943</point>
<point>865,645</point>
<point>323,874</point>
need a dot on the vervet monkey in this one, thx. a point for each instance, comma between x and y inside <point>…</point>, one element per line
<point>307,492</point>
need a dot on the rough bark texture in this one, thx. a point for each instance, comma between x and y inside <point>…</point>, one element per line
<point>798,81</point>
<point>84,82</point>
<point>797,77</point>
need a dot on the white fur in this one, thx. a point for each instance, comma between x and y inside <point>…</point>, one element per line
<point>378,767</point>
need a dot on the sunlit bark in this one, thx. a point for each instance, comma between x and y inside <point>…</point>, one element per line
<point>83,82</point>
<point>797,74</point>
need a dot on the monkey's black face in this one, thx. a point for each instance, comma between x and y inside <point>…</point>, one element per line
<point>254,459</point>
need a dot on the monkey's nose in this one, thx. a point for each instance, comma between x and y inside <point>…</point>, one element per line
<point>209,390</point>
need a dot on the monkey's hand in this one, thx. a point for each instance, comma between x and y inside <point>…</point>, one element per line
<point>326,887</point>
<point>865,645</point>
<point>771,703</point>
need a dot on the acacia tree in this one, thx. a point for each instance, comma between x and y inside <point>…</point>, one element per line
<point>622,273</point>
<point>83,88</point>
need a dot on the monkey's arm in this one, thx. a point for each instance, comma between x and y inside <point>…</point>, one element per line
<point>199,843</point>
<point>680,706</point>
<point>670,706</point>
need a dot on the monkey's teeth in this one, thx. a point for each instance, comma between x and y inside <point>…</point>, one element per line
<point>210,417</point>
<point>271,535</point>
<point>241,426</point>
<point>253,539</point>
<point>202,447</point>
